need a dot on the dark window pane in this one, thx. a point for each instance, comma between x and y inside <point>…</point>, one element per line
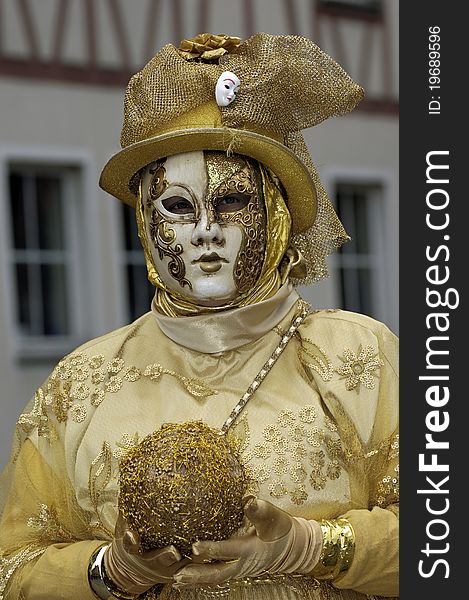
<point>49,213</point>
<point>140,291</point>
<point>54,300</point>
<point>365,7</point>
<point>352,208</point>
<point>361,222</point>
<point>17,212</point>
<point>131,238</point>
<point>356,290</point>
<point>22,297</point>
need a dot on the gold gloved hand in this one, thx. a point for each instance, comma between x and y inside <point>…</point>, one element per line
<point>277,543</point>
<point>134,572</point>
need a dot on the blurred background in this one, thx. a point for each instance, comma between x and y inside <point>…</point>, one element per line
<point>71,267</point>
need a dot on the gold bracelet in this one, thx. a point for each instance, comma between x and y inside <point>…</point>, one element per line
<point>337,550</point>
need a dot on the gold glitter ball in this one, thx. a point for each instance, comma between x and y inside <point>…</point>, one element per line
<point>182,483</point>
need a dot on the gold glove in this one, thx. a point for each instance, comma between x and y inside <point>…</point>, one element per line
<point>277,543</point>
<point>134,572</point>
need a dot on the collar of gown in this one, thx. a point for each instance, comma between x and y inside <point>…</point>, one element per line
<point>213,333</point>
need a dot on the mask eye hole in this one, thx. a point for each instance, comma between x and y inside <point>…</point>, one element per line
<point>232,203</point>
<point>178,205</point>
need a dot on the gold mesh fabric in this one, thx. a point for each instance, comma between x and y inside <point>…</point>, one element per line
<point>287,84</point>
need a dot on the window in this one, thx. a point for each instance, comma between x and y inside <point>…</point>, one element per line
<point>360,261</point>
<point>351,8</point>
<point>42,257</point>
<point>139,290</point>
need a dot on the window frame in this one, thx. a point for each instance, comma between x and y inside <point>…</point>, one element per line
<point>33,350</point>
<point>385,286</point>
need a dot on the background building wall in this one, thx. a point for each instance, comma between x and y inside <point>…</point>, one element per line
<point>64,65</point>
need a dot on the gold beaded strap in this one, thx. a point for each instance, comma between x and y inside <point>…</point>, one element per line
<point>297,321</point>
<point>338,548</point>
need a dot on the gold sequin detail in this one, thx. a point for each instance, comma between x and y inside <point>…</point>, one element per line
<point>278,489</point>
<point>295,455</point>
<point>97,397</point>
<point>314,358</point>
<point>115,365</point>
<point>153,371</point>
<point>78,412</point>
<point>286,417</point>
<point>36,418</point>
<point>388,489</point>
<point>8,565</point>
<point>360,368</point>
<point>81,392</point>
<point>80,373</point>
<point>299,495</point>
<point>132,374</point>
<point>101,472</point>
<point>97,361</point>
<point>307,414</point>
<point>114,384</point>
<point>80,378</point>
<point>126,443</point>
<point>98,377</point>
<point>47,523</point>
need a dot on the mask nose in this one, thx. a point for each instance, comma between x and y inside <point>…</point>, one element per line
<point>207,233</point>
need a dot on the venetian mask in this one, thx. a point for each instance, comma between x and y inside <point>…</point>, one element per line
<point>206,222</point>
<point>226,88</point>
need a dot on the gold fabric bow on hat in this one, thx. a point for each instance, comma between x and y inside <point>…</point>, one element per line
<point>208,46</point>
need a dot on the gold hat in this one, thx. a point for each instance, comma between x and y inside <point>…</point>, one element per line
<point>287,84</point>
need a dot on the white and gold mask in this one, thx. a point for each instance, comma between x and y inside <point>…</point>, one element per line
<point>205,220</point>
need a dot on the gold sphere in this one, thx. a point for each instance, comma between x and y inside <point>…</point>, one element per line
<point>182,483</point>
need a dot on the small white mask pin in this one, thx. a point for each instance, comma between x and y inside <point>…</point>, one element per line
<point>226,89</point>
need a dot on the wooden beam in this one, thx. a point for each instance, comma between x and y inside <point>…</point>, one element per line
<point>177,22</point>
<point>61,73</point>
<point>121,36</point>
<point>339,51</point>
<point>153,8</point>
<point>249,20</point>
<point>315,23</point>
<point>387,60</point>
<point>28,26</point>
<point>364,67</point>
<point>203,18</point>
<point>59,29</point>
<point>291,17</point>
<point>90,28</point>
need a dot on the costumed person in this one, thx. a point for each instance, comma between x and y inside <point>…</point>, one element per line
<point>232,215</point>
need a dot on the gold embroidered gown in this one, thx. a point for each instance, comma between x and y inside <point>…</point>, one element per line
<point>319,436</point>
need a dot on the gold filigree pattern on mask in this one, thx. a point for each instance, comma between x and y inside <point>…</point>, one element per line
<point>162,237</point>
<point>239,176</point>
<point>158,182</point>
<point>360,368</point>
